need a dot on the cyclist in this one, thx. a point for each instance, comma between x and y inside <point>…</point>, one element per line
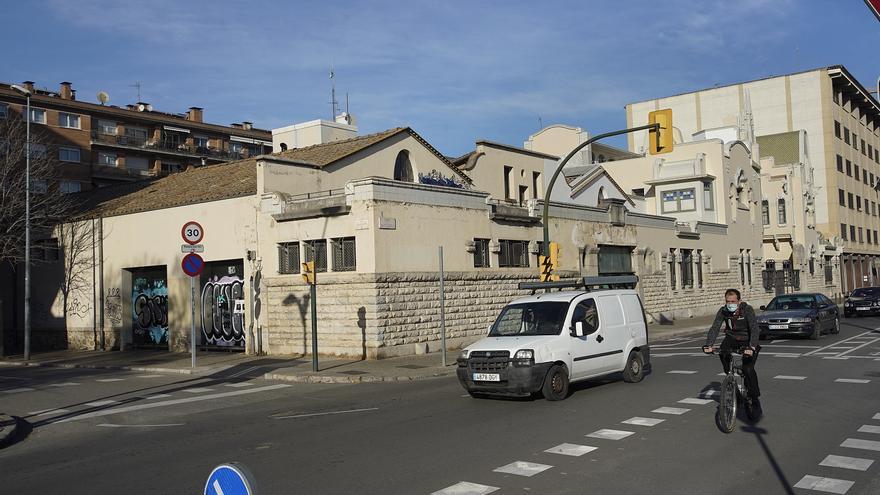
<point>741,332</point>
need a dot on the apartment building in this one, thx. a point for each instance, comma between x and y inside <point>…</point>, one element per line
<point>842,124</point>
<point>98,144</point>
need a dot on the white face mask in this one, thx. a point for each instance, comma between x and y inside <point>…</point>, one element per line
<point>732,307</point>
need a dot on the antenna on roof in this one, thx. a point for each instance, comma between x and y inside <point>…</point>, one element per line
<point>137,84</point>
<point>333,103</point>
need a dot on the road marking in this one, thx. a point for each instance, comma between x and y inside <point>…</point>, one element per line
<point>857,443</point>
<point>46,412</point>
<point>106,380</point>
<point>851,380</point>
<point>869,429</point>
<point>678,411</point>
<point>148,376</point>
<point>571,449</point>
<point>99,403</point>
<point>682,372</point>
<point>643,421</point>
<point>217,487</point>
<point>692,400</point>
<point>610,434</point>
<point>197,390</point>
<point>775,341</point>
<point>844,462</point>
<point>247,384</point>
<point>841,348</point>
<point>783,354</point>
<point>324,413</point>
<point>522,468</point>
<point>876,416</point>
<point>18,390</point>
<point>827,485</point>
<point>467,488</point>
<point>789,377</point>
<point>110,425</point>
<point>838,343</point>
<point>708,393</point>
<point>65,384</point>
<point>157,396</point>
<point>187,400</point>
<point>858,347</point>
<point>721,374</point>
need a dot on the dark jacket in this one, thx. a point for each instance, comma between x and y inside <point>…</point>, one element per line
<point>740,324</point>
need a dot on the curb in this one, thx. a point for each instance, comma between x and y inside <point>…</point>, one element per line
<point>8,429</point>
<point>145,369</point>
<point>683,332</point>
<point>352,379</point>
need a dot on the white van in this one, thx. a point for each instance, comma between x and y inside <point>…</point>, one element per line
<point>546,341</point>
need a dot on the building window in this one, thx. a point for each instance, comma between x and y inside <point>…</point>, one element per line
<point>851,200</point>
<point>137,163</point>
<point>171,167</point>
<point>38,150</point>
<point>316,251</point>
<point>765,211</point>
<point>200,142</point>
<point>678,201</point>
<point>687,268</point>
<point>344,254</point>
<point>856,167</point>
<point>39,186</point>
<point>852,233</point>
<point>107,127</point>
<point>849,168</point>
<point>780,210</point>
<point>837,129</point>
<point>4,110</point>
<point>839,163</point>
<point>876,155</point>
<point>855,141</point>
<point>513,254</point>
<point>742,266</point>
<point>403,170</point>
<point>69,154</point>
<point>536,177</point>
<point>863,146</point>
<point>288,257</point>
<point>615,260</point>
<point>671,264</point>
<point>846,135</point>
<point>507,173</point>
<point>858,203</point>
<point>708,197</point>
<point>843,231</point>
<point>698,260</point>
<point>69,120</point>
<point>861,239</point>
<point>38,116</point>
<point>871,179</point>
<point>829,271</point>
<point>67,187</point>
<point>481,253</point>
<point>870,152</point>
<point>865,175</point>
<point>841,196</point>
<point>812,267</point>
<point>235,148</point>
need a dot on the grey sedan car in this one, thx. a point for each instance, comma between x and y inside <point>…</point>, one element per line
<point>806,315</point>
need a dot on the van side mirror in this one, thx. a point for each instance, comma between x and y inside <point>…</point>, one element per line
<point>579,329</point>
<point>763,308</point>
<point>489,330</point>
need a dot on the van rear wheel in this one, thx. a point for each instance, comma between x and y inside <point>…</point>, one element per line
<point>635,368</point>
<point>556,383</point>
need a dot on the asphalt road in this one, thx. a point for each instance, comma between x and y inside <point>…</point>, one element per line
<point>162,434</point>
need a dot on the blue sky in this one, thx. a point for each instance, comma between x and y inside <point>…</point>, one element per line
<point>454,71</point>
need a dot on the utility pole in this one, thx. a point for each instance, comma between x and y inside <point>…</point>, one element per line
<point>27,224</point>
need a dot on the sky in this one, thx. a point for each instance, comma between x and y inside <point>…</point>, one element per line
<point>455,71</point>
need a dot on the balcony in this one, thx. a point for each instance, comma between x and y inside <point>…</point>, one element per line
<point>164,147</point>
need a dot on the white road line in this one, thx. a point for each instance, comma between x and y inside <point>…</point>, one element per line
<point>838,343</point>
<point>148,376</point>
<point>110,425</point>
<point>678,411</point>
<point>107,380</point>
<point>157,396</point>
<point>692,400</point>
<point>783,354</point>
<point>869,429</point>
<point>858,347</point>
<point>46,412</point>
<point>827,485</point>
<point>852,380</point>
<point>643,421</point>
<point>322,413</point>
<point>65,384</point>
<point>610,434</point>
<point>152,405</point>
<point>789,377</point>
<point>681,372</point>
<point>708,393</point>
<point>249,384</point>
<point>775,341</point>
<point>467,488</point>
<point>876,416</point>
<point>522,468</point>
<point>197,390</point>
<point>857,443</point>
<point>18,390</point>
<point>99,403</point>
<point>844,462</point>
<point>841,348</point>
<point>571,449</point>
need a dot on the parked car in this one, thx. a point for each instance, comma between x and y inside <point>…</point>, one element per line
<point>864,301</point>
<point>807,315</point>
<point>544,342</point>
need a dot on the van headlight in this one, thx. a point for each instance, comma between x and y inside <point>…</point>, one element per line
<point>462,358</point>
<point>524,357</point>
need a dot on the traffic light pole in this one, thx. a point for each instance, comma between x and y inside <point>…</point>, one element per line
<point>546,246</point>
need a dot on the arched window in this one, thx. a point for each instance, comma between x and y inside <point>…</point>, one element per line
<point>283,146</point>
<point>765,212</point>
<point>403,170</point>
<point>780,206</point>
<point>602,196</point>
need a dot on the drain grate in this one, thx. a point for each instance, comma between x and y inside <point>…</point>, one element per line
<point>412,366</point>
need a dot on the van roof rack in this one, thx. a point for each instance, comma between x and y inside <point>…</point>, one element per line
<point>588,284</point>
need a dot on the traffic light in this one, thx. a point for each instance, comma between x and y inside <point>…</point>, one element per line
<point>308,272</point>
<point>548,264</point>
<point>660,139</point>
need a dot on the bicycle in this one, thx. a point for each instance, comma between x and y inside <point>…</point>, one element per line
<point>733,392</point>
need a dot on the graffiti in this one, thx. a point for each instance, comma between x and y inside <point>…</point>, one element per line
<point>149,311</point>
<point>113,306</point>
<point>436,178</point>
<point>220,326</point>
<point>78,308</point>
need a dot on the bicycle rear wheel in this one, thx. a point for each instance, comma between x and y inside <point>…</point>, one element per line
<point>727,405</point>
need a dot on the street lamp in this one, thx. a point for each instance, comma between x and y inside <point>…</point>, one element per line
<point>27,224</point>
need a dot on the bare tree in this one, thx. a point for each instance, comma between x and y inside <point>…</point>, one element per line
<point>76,243</point>
<point>48,206</point>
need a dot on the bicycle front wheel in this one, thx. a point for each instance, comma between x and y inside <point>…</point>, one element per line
<point>727,405</point>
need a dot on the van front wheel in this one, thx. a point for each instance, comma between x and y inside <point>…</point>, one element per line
<point>556,383</point>
<point>635,368</point>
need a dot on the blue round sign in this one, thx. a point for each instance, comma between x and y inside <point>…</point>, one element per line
<point>230,479</point>
<point>192,264</point>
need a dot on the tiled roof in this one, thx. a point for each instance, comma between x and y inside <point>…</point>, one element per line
<point>325,154</point>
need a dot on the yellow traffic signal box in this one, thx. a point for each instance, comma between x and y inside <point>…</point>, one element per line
<point>548,264</point>
<point>660,139</point>
<point>308,272</point>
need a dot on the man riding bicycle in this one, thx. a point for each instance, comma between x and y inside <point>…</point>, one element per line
<point>741,333</point>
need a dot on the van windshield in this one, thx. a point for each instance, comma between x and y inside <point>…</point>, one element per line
<point>538,318</point>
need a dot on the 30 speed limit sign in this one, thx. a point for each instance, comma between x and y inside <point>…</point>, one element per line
<point>192,232</point>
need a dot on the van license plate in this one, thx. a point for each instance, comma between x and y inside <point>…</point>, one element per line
<point>487,377</point>
<point>862,308</point>
<point>778,327</point>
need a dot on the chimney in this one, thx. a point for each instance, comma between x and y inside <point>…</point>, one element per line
<point>66,92</point>
<point>29,85</point>
<point>236,125</point>
<point>194,114</point>
<point>247,125</point>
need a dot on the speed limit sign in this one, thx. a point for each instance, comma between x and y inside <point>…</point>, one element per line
<point>192,232</point>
